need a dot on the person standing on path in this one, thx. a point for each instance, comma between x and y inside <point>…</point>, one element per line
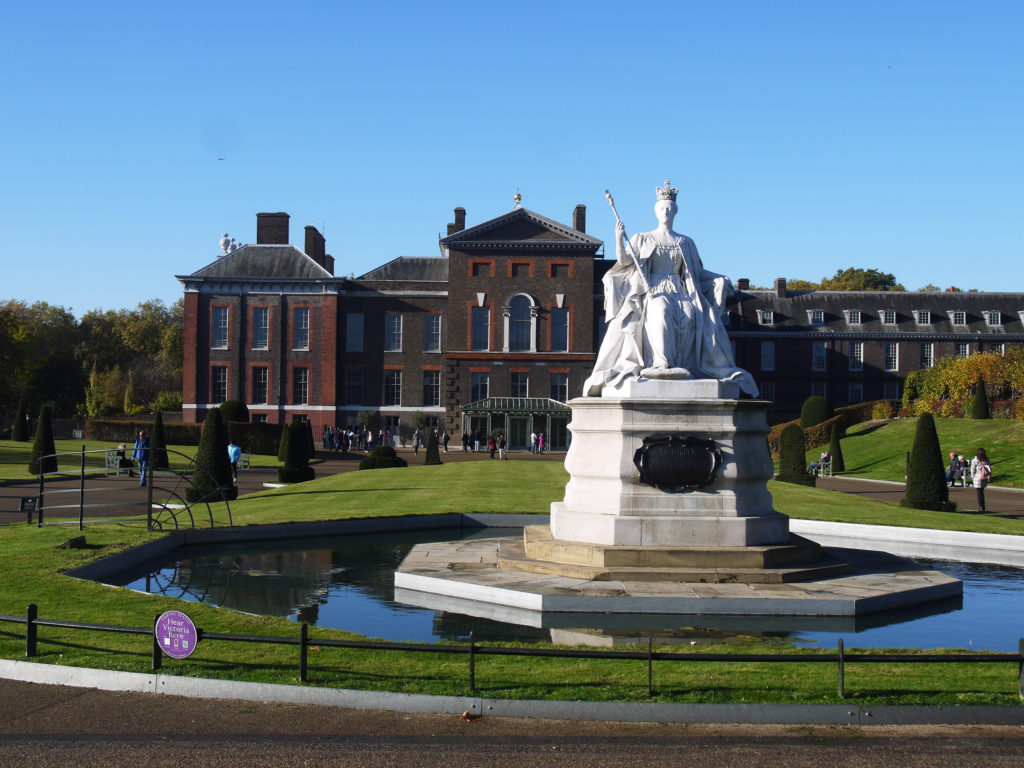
<point>416,443</point>
<point>140,452</point>
<point>234,456</point>
<point>444,439</point>
<point>981,472</point>
<point>533,442</point>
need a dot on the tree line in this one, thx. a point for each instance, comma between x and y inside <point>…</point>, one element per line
<point>857,279</point>
<point>108,362</point>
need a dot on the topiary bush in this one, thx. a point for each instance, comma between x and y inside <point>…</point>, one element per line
<point>296,467</point>
<point>19,430</point>
<point>382,457</point>
<point>158,444</point>
<point>792,454</point>
<point>433,455</point>
<point>835,450</point>
<point>926,480</point>
<point>980,408</point>
<point>815,410</point>
<point>211,476</point>
<point>234,410</point>
<point>42,461</point>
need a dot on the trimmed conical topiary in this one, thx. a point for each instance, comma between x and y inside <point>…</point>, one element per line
<point>980,407</point>
<point>433,455</point>
<point>43,462</point>
<point>792,454</point>
<point>296,467</point>
<point>308,442</point>
<point>835,450</point>
<point>158,444</point>
<point>815,410</point>
<point>926,480</point>
<point>211,475</point>
<point>19,431</point>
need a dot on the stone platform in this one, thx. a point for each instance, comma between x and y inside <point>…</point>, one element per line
<point>468,572</point>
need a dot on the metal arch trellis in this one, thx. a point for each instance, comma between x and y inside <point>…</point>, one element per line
<point>172,511</point>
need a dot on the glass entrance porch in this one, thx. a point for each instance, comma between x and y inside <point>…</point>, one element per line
<point>518,417</point>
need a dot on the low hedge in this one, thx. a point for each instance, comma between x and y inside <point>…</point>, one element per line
<point>256,438</point>
<point>382,457</point>
<point>820,434</point>
<point>125,431</point>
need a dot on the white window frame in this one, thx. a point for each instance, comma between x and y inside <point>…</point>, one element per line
<point>958,314</point>
<point>559,386</point>
<point>927,355</point>
<point>220,327</point>
<point>393,333</point>
<point>478,379</point>
<point>300,385</point>
<point>393,387</point>
<point>432,388</point>
<point>300,328</point>
<point>766,317</point>
<point>923,316</point>
<point>219,380</point>
<point>892,354</point>
<point>513,377</point>
<point>261,327</point>
<point>885,314</point>
<point>816,316</point>
<point>432,333</point>
<point>854,317</point>
<point>507,313</point>
<point>993,318</point>
<point>962,349</point>
<point>856,356</point>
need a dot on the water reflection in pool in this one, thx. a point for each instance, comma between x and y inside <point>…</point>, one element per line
<point>347,582</point>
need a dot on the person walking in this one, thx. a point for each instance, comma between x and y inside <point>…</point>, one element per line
<point>981,472</point>
<point>416,443</point>
<point>140,452</point>
<point>234,456</point>
<point>465,441</point>
<point>540,443</point>
<point>444,439</point>
<point>533,442</point>
<point>501,446</point>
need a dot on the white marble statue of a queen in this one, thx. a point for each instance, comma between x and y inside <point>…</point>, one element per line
<point>664,311</point>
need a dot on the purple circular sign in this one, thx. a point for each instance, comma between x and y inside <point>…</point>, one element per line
<point>176,634</point>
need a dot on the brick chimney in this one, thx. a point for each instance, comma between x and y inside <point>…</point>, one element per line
<point>579,218</point>
<point>329,263</point>
<point>780,287</point>
<point>743,284</point>
<point>272,228</point>
<point>315,245</point>
<point>460,221</point>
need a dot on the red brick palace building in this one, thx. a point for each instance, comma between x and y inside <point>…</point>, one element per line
<point>501,328</point>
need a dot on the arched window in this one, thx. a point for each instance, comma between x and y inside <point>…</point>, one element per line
<point>520,324</point>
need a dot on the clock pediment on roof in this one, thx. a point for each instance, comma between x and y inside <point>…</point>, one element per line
<point>520,227</point>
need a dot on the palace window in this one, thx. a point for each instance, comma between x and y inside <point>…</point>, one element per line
<point>817,316</point>
<point>856,357</point>
<point>923,317</point>
<point>520,325</point>
<point>856,392</point>
<point>767,390</point>
<point>994,317</point>
<point>819,356</point>
<point>431,388</point>
<point>927,355</point>
<point>481,332</point>
<point>520,384</point>
<point>560,330</point>
<point>300,386</point>
<point>853,317</point>
<point>353,387</point>
<point>765,316</point>
<point>393,386</point>
<point>261,328</point>
<point>959,318</point>
<point>888,317</point>
<point>560,387</point>
<point>218,384</point>
<point>892,356</point>
<point>819,388</point>
<point>300,328</point>
<point>219,328</point>
<point>767,355</point>
<point>963,349</point>
<point>480,385</point>
<point>260,384</point>
<point>392,333</point>
<point>354,332</point>
<point>432,333</point>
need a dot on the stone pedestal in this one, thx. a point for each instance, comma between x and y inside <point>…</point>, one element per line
<point>605,502</point>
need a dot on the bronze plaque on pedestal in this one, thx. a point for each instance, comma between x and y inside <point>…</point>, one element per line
<point>677,463</point>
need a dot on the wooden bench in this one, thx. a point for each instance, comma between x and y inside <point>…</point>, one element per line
<point>112,463</point>
<point>245,462</point>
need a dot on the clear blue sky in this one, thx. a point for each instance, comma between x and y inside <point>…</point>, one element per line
<point>804,136</point>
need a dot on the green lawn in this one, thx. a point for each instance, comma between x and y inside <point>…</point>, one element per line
<point>878,450</point>
<point>33,567</point>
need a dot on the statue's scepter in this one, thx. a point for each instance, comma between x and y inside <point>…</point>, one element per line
<point>629,245</point>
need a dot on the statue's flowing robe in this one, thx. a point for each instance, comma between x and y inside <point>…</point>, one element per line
<point>624,353</point>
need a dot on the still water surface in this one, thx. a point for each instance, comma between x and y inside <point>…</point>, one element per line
<point>347,582</point>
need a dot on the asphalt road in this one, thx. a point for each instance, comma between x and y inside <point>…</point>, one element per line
<point>56,726</point>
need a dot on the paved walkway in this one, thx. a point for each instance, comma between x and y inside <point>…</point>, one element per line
<point>57,726</point>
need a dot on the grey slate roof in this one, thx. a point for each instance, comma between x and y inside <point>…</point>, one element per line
<point>273,262</point>
<point>411,269</point>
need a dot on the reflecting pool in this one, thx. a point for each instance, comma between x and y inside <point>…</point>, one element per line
<point>347,582</point>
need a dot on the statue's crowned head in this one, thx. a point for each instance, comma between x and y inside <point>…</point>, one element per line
<point>666,192</point>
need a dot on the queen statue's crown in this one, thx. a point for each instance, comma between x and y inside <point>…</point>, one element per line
<point>667,193</point>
